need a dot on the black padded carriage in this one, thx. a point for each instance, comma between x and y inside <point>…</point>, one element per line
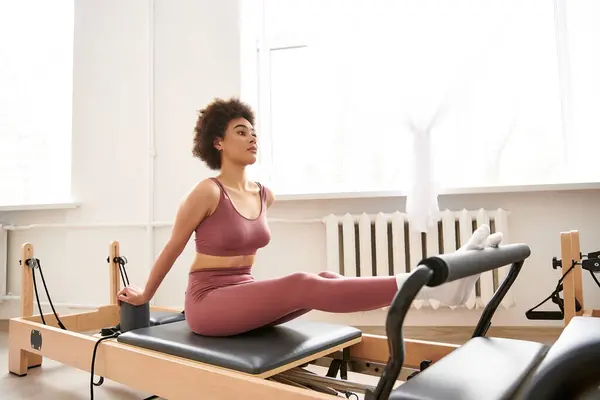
<point>256,352</point>
<point>483,368</point>
<point>494,368</point>
<point>571,369</point>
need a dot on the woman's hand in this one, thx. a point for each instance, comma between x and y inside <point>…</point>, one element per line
<point>132,295</point>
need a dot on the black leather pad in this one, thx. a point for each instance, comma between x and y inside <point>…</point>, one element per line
<point>572,365</point>
<point>255,352</point>
<point>165,317</point>
<point>482,369</point>
<point>581,334</point>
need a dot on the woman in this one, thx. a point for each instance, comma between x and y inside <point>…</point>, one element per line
<point>228,215</point>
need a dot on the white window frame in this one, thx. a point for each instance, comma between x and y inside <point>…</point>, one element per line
<point>262,75</point>
<point>256,75</point>
<point>65,201</point>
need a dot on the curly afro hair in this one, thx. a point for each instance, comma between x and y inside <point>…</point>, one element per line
<point>211,124</point>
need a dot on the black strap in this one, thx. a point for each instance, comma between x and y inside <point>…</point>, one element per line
<point>122,270</point>
<point>551,315</point>
<point>556,299</point>
<point>122,261</point>
<point>34,263</point>
<point>594,278</point>
<point>101,380</point>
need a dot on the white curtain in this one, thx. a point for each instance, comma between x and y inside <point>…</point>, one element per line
<point>419,97</point>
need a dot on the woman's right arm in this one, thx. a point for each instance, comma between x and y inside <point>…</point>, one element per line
<point>197,205</point>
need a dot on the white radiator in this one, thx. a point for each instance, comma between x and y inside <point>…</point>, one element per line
<point>384,244</point>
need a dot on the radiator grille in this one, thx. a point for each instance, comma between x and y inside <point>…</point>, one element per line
<point>384,244</point>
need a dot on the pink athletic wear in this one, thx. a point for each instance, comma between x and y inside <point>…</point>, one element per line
<point>229,301</point>
<point>228,233</point>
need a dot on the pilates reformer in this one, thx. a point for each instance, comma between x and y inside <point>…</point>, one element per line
<point>165,358</point>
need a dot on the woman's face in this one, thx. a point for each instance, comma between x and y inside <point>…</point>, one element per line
<point>239,144</point>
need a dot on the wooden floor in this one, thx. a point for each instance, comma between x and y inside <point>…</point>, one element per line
<point>57,381</point>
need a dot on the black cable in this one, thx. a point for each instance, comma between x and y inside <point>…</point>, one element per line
<point>37,298</point>
<point>595,279</point>
<point>562,278</point>
<point>530,314</point>
<point>554,295</point>
<point>101,380</point>
<point>122,261</point>
<point>107,333</point>
<point>48,294</point>
<point>122,277</point>
<point>35,263</point>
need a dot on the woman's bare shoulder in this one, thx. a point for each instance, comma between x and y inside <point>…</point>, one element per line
<point>204,195</point>
<point>270,196</point>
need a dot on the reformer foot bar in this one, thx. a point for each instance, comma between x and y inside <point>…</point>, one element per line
<point>170,361</point>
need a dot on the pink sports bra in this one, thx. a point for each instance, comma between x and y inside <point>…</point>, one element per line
<point>228,233</point>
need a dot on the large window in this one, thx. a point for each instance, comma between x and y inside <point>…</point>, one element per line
<point>349,92</point>
<point>36,57</point>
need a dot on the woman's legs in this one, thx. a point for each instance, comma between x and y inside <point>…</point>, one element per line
<point>299,313</point>
<point>330,275</point>
<point>239,308</point>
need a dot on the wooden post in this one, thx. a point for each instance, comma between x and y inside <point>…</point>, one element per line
<point>18,359</point>
<point>573,282</point>
<point>115,283</point>
<point>567,259</point>
<point>26,281</point>
<point>577,271</point>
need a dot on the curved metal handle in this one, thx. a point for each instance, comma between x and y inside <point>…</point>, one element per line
<point>393,327</point>
<point>461,264</point>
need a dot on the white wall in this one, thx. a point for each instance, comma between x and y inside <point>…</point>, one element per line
<point>131,80</point>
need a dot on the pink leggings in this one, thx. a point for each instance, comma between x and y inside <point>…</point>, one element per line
<point>229,301</point>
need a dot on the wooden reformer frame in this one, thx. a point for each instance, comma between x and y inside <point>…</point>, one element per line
<point>172,377</point>
<point>573,281</point>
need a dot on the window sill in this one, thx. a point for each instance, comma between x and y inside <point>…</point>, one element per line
<point>39,207</point>
<point>450,191</point>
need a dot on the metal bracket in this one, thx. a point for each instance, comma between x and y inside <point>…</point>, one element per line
<point>31,263</point>
<point>556,263</point>
<point>117,259</point>
<point>36,339</point>
<point>422,367</point>
<point>339,365</point>
<point>592,265</point>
